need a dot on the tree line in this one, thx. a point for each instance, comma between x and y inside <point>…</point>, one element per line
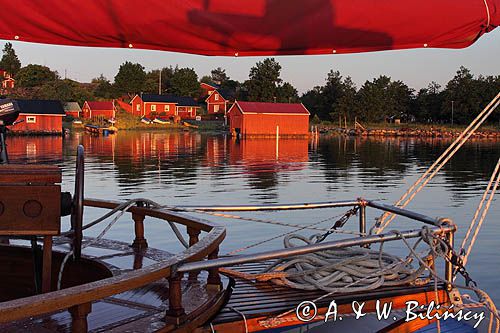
<point>379,99</point>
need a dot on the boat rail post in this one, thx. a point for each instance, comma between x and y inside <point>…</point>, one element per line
<point>362,220</point>
<point>175,310</point>
<point>79,315</point>
<point>193,239</point>
<point>362,217</point>
<point>139,241</point>
<point>449,265</point>
<point>213,281</point>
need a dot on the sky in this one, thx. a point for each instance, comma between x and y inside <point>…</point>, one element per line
<point>417,67</point>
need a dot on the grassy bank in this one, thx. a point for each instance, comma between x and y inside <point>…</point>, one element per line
<point>126,121</point>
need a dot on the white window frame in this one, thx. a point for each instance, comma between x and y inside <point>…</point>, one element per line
<point>138,107</point>
<point>31,120</point>
<point>216,97</point>
<point>216,108</point>
<point>153,107</point>
<point>167,108</point>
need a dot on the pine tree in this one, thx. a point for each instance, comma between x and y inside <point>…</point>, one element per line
<point>10,62</point>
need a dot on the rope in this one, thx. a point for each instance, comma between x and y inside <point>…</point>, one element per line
<point>242,315</point>
<point>343,219</point>
<point>421,182</point>
<point>494,175</point>
<point>487,13</point>
<point>485,211</point>
<point>283,224</point>
<point>345,270</point>
<point>438,248</point>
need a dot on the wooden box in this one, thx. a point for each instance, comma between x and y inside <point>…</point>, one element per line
<point>30,200</point>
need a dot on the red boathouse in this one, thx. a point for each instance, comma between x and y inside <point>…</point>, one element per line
<point>105,109</point>
<point>39,116</point>
<point>267,119</point>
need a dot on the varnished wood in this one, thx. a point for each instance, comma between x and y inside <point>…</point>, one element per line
<point>30,209</point>
<point>30,174</point>
<point>93,291</point>
<point>139,241</point>
<point>194,237</point>
<point>214,280</point>
<point>175,309</point>
<point>79,315</point>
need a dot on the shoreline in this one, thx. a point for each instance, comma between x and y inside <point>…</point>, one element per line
<point>413,131</point>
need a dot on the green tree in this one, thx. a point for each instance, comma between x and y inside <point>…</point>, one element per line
<point>427,105</point>
<point>34,75</point>
<point>65,90</point>
<point>264,81</point>
<point>184,82</point>
<point>219,76</point>
<point>130,78</point>
<point>103,87</point>
<point>10,62</point>
<point>336,98</point>
<point>313,101</point>
<point>467,96</point>
<point>151,83</point>
<point>286,93</point>
<point>383,98</point>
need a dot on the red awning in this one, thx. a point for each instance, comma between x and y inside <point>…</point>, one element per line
<point>251,27</point>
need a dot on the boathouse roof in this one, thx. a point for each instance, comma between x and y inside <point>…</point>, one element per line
<point>72,106</point>
<point>100,105</point>
<point>272,108</point>
<point>44,107</point>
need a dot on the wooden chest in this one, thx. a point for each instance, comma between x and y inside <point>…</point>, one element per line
<point>30,200</point>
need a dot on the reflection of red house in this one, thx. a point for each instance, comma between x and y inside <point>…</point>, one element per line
<point>39,116</point>
<point>150,105</point>
<point>264,155</point>
<point>35,149</point>
<point>265,119</point>
<point>7,82</point>
<point>105,109</point>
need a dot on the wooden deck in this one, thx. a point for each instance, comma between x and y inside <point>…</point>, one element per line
<point>260,301</point>
<point>138,310</point>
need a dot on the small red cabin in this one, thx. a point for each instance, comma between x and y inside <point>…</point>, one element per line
<point>105,109</point>
<point>39,116</point>
<point>268,119</point>
<point>151,106</point>
<point>72,109</point>
<point>216,103</point>
<point>7,82</point>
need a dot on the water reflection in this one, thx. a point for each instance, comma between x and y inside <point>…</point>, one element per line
<point>196,168</point>
<point>135,160</point>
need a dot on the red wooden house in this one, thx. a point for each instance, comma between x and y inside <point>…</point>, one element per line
<point>207,89</point>
<point>266,119</point>
<point>105,109</point>
<point>151,106</point>
<point>7,82</point>
<point>217,103</point>
<point>39,116</point>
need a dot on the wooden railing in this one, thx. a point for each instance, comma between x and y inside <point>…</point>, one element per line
<point>78,299</point>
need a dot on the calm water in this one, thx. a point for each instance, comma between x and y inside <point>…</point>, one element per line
<point>197,169</point>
